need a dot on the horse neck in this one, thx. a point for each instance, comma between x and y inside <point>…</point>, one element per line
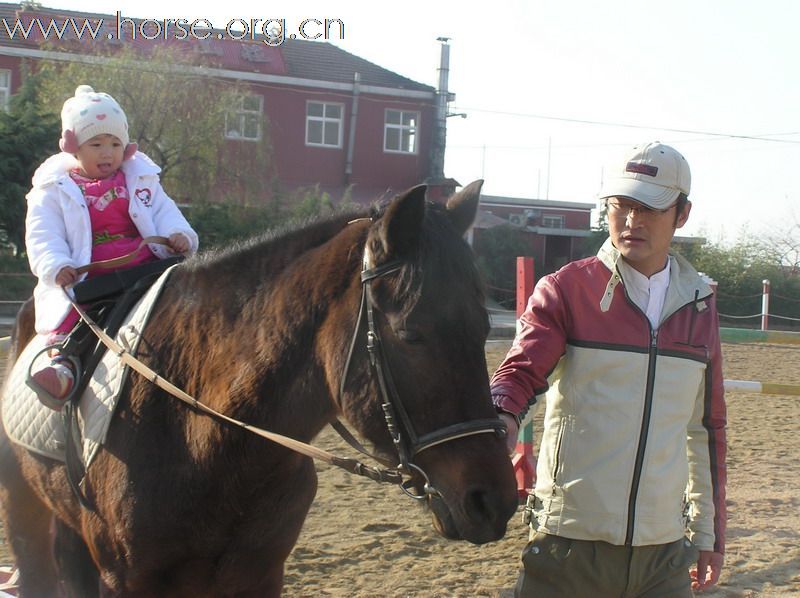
<point>289,310</point>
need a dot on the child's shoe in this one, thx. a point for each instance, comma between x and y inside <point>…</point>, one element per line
<point>57,380</point>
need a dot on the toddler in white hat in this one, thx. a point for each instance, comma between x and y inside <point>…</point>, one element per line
<point>95,201</point>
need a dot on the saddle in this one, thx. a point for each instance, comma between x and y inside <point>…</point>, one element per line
<point>107,299</point>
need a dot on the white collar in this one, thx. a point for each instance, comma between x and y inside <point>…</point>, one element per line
<point>647,293</point>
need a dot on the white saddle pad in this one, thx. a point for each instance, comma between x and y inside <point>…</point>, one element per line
<point>40,429</point>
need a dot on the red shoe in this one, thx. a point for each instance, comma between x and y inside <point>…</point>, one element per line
<point>57,381</point>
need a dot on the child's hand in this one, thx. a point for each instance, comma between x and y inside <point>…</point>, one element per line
<point>67,275</point>
<point>178,243</point>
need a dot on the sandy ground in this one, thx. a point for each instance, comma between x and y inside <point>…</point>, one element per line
<point>363,539</point>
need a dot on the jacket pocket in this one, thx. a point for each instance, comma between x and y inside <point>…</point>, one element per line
<point>559,450</point>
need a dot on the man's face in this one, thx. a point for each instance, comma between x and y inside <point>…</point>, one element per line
<point>643,235</point>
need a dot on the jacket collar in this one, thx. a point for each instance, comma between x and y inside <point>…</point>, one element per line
<point>140,165</point>
<point>685,284</point>
<point>58,166</point>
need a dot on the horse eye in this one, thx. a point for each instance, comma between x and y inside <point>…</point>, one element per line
<point>409,336</point>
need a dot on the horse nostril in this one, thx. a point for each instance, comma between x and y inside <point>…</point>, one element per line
<point>479,506</point>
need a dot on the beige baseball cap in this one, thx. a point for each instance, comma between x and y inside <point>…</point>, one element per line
<point>653,174</point>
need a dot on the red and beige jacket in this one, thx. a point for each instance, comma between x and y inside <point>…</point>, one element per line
<point>625,406</point>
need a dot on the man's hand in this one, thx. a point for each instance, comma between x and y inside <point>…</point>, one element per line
<point>709,567</point>
<point>67,275</point>
<point>179,243</point>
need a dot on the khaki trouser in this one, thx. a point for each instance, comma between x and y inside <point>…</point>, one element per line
<point>560,567</point>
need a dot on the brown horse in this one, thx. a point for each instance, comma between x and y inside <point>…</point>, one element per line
<point>184,505</point>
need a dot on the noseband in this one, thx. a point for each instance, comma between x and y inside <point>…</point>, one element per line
<point>410,444</point>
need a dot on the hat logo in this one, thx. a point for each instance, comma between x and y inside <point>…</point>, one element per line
<point>638,168</point>
<point>100,117</point>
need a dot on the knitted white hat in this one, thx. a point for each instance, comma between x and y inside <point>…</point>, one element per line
<point>89,113</point>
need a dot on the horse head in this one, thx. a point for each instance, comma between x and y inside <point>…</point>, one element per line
<point>425,331</point>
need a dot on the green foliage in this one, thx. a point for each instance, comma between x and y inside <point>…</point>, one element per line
<point>219,225</point>
<point>497,249</point>
<point>28,135</point>
<point>16,281</point>
<point>739,271</point>
<point>311,202</point>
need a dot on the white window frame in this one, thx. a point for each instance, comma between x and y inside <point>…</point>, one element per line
<point>5,88</point>
<point>553,221</point>
<point>241,114</point>
<point>411,130</point>
<point>325,121</point>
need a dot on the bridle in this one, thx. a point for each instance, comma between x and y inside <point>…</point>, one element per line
<point>401,429</point>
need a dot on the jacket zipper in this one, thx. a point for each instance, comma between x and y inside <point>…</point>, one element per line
<point>648,408</point>
<point>557,458</point>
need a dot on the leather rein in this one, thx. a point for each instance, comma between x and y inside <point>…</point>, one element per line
<point>407,446</point>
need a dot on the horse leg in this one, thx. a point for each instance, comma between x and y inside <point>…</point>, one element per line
<point>27,527</point>
<point>273,582</point>
<point>77,570</point>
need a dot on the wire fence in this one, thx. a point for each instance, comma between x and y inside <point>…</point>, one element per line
<point>758,315</point>
<point>507,298</point>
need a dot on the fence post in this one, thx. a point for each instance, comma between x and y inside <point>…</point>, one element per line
<point>765,304</point>
<point>524,467</point>
<point>524,284</point>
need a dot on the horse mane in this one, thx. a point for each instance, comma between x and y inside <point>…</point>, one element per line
<point>282,244</point>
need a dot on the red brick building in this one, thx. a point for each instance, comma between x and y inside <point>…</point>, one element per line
<point>335,120</point>
<point>555,230</point>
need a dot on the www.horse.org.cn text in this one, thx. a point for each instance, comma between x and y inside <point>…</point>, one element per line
<point>270,31</point>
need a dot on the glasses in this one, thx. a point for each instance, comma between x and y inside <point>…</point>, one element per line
<point>624,210</point>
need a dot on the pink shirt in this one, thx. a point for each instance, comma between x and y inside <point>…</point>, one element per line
<point>113,231</point>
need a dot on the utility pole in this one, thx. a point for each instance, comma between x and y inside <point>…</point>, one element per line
<point>442,99</point>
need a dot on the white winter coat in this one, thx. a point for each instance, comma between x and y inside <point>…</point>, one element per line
<point>58,231</point>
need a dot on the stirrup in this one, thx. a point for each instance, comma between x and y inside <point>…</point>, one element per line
<point>44,396</point>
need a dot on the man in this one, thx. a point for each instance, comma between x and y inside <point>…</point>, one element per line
<point>624,348</point>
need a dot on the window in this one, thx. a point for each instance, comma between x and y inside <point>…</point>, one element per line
<point>244,121</point>
<point>5,88</point>
<point>553,221</point>
<point>324,124</point>
<point>400,131</point>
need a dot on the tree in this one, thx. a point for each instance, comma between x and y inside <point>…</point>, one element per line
<point>785,242</point>
<point>497,250</point>
<point>28,135</point>
<point>176,114</point>
<point>739,270</point>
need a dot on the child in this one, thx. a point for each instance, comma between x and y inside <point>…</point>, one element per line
<point>94,201</point>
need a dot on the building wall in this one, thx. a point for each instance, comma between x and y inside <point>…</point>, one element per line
<point>12,63</point>
<point>373,169</point>
<point>574,218</point>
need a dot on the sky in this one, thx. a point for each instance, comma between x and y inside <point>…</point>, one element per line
<point>554,91</point>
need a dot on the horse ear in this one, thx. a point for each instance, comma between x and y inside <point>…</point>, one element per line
<point>402,222</point>
<point>463,206</point>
